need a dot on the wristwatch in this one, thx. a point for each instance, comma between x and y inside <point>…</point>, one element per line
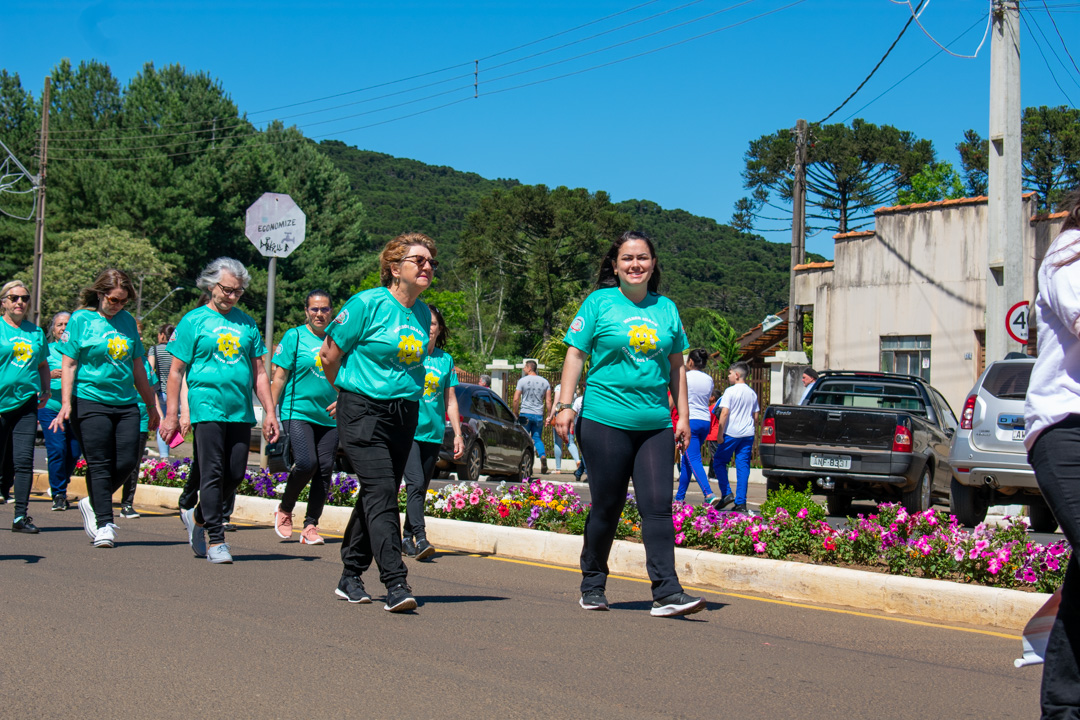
<point>559,407</point>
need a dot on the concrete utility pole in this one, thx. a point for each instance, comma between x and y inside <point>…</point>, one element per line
<point>39,232</point>
<point>1004,277</point>
<point>798,235</point>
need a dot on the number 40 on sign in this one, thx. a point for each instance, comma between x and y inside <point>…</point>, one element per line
<point>1017,322</point>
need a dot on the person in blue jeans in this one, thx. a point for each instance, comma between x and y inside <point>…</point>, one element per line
<point>61,445</point>
<point>738,412</point>
<point>533,396</point>
<point>699,387</point>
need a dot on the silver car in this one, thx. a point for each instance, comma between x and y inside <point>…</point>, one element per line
<point>988,457</point>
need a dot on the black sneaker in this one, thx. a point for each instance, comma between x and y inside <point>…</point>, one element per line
<point>228,527</point>
<point>740,509</point>
<point>351,588</point>
<point>60,503</point>
<point>399,598</point>
<point>408,547</point>
<point>543,466</point>
<point>424,549</point>
<point>128,511</point>
<point>593,600</point>
<point>578,473</point>
<point>678,604</point>
<point>25,525</point>
<point>722,502</point>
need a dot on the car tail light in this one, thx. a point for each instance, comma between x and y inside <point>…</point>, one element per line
<point>768,431</point>
<point>968,413</point>
<point>463,420</point>
<point>901,441</point>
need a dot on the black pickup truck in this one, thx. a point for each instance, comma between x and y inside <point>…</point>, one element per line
<point>862,435</point>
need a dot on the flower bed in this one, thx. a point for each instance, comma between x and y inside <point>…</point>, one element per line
<point>791,526</point>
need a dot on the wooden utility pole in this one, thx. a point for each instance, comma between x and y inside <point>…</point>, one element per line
<point>798,234</point>
<point>39,233</point>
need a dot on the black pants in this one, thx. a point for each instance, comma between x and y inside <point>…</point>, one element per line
<point>1056,459</point>
<point>376,436</point>
<point>614,456</point>
<point>111,443</point>
<point>313,448</point>
<point>17,429</point>
<point>189,496</point>
<point>418,471</point>
<point>222,459</point>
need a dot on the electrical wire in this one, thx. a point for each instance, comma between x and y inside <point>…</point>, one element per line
<point>1062,39</point>
<point>915,17</point>
<point>1038,46</point>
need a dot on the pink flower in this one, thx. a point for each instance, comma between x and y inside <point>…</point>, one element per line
<point>474,499</point>
<point>680,538</point>
<point>994,566</point>
<point>759,547</point>
<point>1029,576</point>
<point>958,554</point>
<point>459,502</point>
<point>802,514</point>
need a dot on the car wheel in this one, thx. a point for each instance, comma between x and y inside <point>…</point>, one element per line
<point>469,471</point>
<point>838,505</point>
<point>525,466</point>
<point>967,503</point>
<point>1042,518</point>
<point>918,498</point>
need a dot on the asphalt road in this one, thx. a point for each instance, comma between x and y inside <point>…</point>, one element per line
<point>147,630</point>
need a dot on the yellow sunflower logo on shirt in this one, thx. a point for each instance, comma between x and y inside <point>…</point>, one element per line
<point>22,351</point>
<point>431,384</point>
<point>118,348</point>
<point>228,344</point>
<point>642,338</point>
<point>410,349</point>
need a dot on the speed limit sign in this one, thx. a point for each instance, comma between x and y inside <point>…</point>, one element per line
<point>1017,322</point>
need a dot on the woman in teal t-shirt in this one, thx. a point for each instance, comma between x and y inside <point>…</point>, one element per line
<point>634,341</point>
<point>101,379</point>
<point>374,354</point>
<point>61,445</point>
<point>438,402</point>
<point>308,403</point>
<point>24,387</point>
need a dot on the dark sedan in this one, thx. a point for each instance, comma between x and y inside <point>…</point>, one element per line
<point>495,444</point>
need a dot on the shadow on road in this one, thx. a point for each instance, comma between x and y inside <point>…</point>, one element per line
<point>447,599</point>
<point>28,559</point>
<point>263,557</point>
<point>47,529</point>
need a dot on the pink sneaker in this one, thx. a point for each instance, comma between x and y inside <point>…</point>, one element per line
<point>310,536</point>
<point>283,524</point>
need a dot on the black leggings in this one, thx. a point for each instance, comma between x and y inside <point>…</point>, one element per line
<point>222,458</point>
<point>313,448</point>
<point>418,471</point>
<point>17,428</point>
<point>189,496</point>
<point>111,442</point>
<point>614,455</point>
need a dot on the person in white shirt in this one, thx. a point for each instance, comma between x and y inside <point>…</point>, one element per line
<point>809,379</point>
<point>560,446</point>
<point>738,413</point>
<point>699,387</point>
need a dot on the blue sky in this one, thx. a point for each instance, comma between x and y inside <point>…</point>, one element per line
<point>670,126</point>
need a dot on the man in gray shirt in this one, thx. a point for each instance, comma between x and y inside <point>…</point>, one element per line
<point>533,395</point>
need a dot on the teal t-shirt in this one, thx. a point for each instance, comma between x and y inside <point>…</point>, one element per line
<point>220,352</point>
<point>629,345</point>
<point>307,392</point>
<point>106,351</point>
<point>384,344</point>
<point>22,350</point>
<point>144,418</point>
<point>56,362</point>
<point>438,375</point>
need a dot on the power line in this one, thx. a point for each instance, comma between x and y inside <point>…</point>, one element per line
<point>915,17</point>
<point>1038,46</point>
<point>1058,31</point>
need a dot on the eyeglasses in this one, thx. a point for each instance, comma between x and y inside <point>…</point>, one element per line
<point>320,310</point>
<point>421,260</point>
<point>230,291</point>
<point>116,301</point>
<point>19,298</point>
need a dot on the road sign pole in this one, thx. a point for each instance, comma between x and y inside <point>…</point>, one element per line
<point>268,338</point>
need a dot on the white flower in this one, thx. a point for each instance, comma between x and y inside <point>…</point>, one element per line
<point>279,488</point>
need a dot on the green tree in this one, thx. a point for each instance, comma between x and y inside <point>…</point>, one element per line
<point>19,119</point>
<point>937,181</point>
<point>973,162</point>
<point>709,329</point>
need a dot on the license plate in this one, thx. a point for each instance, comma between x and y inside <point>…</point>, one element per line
<point>1019,434</point>
<point>833,462</point>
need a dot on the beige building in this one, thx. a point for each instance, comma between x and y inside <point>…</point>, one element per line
<point>909,296</point>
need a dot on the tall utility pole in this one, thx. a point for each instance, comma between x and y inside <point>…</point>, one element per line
<point>1005,261</point>
<point>798,235</point>
<point>39,233</point>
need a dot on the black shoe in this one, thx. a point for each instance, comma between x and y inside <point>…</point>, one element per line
<point>128,511</point>
<point>424,549</point>
<point>399,598</point>
<point>543,466</point>
<point>60,503</point>
<point>351,588</point>
<point>740,509</point>
<point>228,527</point>
<point>578,473</point>
<point>408,547</point>
<point>25,525</point>
<point>594,600</point>
<point>678,604</point>
<point>722,502</point>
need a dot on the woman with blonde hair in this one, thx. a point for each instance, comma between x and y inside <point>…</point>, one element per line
<point>61,445</point>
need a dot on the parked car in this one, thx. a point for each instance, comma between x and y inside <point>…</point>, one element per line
<point>862,435</point>
<point>988,457</point>
<point>495,443</point>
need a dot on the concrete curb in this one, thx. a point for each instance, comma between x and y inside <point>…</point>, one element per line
<point>930,600</point>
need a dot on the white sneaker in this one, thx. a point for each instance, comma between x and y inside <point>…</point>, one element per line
<point>219,554</point>
<point>106,536</point>
<point>89,518</point>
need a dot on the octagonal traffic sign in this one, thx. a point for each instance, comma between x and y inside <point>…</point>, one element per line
<point>275,225</point>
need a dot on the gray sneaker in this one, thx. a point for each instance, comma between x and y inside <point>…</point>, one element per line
<point>219,554</point>
<point>88,518</point>
<point>196,533</point>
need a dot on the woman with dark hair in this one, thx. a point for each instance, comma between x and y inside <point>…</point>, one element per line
<point>439,401</point>
<point>61,445</point>
<point>635,341</point>
<point>160,363</point>
<point>699,387</point>
<point>102,377</point>
<point>1052,420</point>
<point>308,404</point>
<point>374,354</point>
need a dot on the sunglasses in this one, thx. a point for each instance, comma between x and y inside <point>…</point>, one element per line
<point>420,261</point>
<point>19,298</point>
<point>116,301</point>
<point>319,310</point>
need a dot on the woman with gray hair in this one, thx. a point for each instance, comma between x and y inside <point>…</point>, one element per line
<point>24,387</point>
<point>61,444</point>
<point>218,348</point>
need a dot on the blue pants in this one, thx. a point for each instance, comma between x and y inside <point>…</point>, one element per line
<point>534,425</point>
<point>162,446</point>
<point>691,461</point>
<point>741,448</point>
<point>559,451</point>
<point>63,450</point>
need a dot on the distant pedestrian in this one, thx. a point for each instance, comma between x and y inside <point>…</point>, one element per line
<point>634,341</point>
<point>562,447</point>
<point>61,445</point>
<point>533,397</point>
<point>160,363</point>
<point>699,387</point>
<point>738,412</point>
<point>24,388</point>
<point>809,379</point>
<point>485,381</point>
<point>374,354</point>
<point>103,377</point>
<point>218,349</point>
<point>308,404</point>
<point>438,403</point>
